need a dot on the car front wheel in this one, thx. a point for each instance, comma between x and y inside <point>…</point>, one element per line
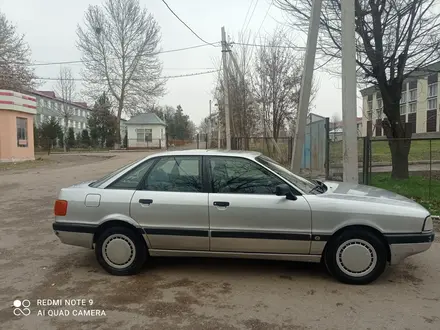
<point>121,251</point>
<point>356,257</point>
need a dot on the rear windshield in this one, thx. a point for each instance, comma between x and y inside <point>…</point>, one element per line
<point>99,182</point>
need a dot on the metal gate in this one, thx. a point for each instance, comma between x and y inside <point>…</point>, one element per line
<point>315,151</point>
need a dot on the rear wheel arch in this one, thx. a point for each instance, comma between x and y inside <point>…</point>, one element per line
<point>118,223</point>
<point>361,228</point>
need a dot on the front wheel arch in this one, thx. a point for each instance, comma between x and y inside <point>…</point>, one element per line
<point>362,228</point>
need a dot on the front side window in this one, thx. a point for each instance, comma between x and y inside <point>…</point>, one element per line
<point>412,107</point>
<point>140,135</point>
<point>133,178</point>
<point>298,181</point>
<point>22,141</point>
<point>403,109</point>
<point>178,174</point>
<point>232,175</point>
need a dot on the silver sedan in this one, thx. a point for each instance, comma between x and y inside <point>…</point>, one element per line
<point>210,203</point>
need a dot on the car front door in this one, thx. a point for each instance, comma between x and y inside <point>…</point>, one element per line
<point>245,214</point>
<point>171,206</point>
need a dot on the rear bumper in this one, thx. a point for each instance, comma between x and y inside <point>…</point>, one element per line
<point>405,245</point>
<point>78,235</point>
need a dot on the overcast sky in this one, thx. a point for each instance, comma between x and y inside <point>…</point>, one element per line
<point>50,29</point>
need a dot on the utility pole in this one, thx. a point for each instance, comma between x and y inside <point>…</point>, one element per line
<point>306,87</point>
<point>208,138</point>
<point>226,91</point>
<point>350,157</point>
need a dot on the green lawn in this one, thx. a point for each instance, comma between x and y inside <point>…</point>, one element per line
<point>416,187</point>
<point>381,152</point>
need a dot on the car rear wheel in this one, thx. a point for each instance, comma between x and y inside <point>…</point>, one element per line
<point>121,251</point>
<point>356,257</point>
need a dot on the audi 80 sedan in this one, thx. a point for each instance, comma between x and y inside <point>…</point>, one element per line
<point>213,203</point>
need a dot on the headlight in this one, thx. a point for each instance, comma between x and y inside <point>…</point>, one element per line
<point>428,224</point>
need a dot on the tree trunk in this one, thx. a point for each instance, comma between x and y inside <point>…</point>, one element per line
<point>399,155</point>
<point>399,139</point>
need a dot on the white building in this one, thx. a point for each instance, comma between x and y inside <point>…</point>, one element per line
<point>49,105</point>
<point>146,130</point>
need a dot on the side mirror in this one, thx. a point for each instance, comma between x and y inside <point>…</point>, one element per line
<point>284,190</point>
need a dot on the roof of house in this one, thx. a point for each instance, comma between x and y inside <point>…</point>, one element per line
<point>422,72</point>
<point>145,119</point>
<point>52,95</point>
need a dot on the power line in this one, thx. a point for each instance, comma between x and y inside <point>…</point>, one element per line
<point>269,46</point>
<point>169,8</point>
<point>252,15</point>
<point>245,18</point>
<point>81,61</point>
<point>267,13</point>
<point>164,77</point>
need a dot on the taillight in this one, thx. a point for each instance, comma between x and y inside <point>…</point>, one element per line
<point>60,208</point>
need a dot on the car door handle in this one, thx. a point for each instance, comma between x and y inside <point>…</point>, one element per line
<point>146,201</point>
<point>221,204</point>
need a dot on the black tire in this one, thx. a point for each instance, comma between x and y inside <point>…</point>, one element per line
<point>137,243</point>
<point>337,269</point>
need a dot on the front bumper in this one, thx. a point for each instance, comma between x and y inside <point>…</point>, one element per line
<point>405,245</point>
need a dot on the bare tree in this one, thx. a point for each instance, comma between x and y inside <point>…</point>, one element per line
<point>65,88</point>
<point>119,43</point>
<point>277,83</point>
<point>15,72</point>
<point>394,38</point>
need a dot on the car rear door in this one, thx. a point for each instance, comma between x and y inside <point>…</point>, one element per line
<point>245,214</point>
<point>171,206</point>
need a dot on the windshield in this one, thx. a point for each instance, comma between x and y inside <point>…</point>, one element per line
<point>303,184</point>
<point>97,183</point>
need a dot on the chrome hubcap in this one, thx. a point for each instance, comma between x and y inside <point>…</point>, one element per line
<point>356,257</point>
<point>118,251</point>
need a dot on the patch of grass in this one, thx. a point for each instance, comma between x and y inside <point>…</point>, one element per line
<point>420,150</point>
<point>24,165</point>
<point>416,187</point>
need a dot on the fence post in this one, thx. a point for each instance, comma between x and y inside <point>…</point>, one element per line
<point>327,148</point>
<point>366,161</point>
<point>289,149</point>
<point>166,141</point>
<point>197,138</point>
<point>430,168</point>
<point>160,143</point>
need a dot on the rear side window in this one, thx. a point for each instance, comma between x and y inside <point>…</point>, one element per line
<point>133,178</point>
<point>179,174</point>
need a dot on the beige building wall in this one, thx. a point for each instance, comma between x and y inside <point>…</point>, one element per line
<point>15,105</point>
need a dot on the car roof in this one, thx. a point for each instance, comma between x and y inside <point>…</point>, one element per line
<point>209,152</point>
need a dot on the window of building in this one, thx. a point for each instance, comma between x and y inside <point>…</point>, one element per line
<point>144,135</point>
<point>432,90</point>
<point>369,114</point>
<point>432,104</point>
<point>370,105</point>
<point>412,107</point>
<point>42,118</point>
<point>403,109</point>
<point>22,141</point>
<point>46,103</point>
<point>403,97</point>
<point>178,174</point>
<point>413,95</point>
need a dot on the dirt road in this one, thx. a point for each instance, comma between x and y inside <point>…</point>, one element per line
<point>185,293</point>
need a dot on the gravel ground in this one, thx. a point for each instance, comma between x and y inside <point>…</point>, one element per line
<point>184,293</point>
